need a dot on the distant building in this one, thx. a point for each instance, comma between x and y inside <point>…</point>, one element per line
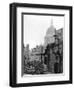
<point>35,54</point>
<point>49,38</point>
<point>59,34</point>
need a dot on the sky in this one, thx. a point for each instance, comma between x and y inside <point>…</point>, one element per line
<point>35,28</point>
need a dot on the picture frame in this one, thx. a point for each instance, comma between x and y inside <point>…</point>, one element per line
<point>28,24</point>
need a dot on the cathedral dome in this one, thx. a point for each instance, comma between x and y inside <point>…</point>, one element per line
<point>51,30</point>
<point>49,37</point>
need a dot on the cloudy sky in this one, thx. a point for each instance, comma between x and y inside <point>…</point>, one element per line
<point>35,28</point>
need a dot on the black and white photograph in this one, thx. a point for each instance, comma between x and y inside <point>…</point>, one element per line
<point>40,44</point>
